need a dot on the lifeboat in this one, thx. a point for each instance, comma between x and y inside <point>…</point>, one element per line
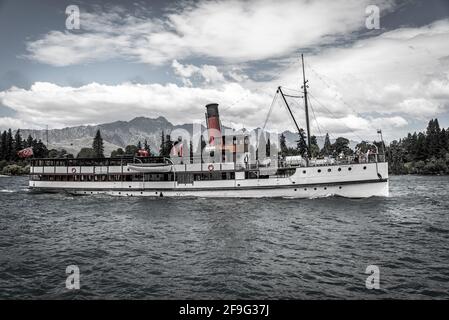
<point>150,167</point>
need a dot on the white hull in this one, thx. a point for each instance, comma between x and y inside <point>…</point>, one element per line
<point>360,181</point>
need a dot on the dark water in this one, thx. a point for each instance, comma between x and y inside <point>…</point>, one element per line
<point>233,248</point>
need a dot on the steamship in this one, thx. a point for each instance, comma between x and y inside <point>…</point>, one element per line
<point>227,165</point>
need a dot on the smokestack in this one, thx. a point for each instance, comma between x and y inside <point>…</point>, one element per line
<point>213,124</point>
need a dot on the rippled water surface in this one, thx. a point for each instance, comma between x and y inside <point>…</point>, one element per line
<point>226,248</point>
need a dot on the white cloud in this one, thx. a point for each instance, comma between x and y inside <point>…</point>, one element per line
<point>236,31</point>
<point>402,73</point>
<point>8,122</point>
<point>46,103</point>
<point>208,73</point>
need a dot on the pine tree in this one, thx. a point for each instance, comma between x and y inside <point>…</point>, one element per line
<point>10,154</point>
<point>283,145</point>
<point>162,146</point>
<point>3,146</point>
<point>301,146</point>
<point>268,147</point>
<point>97,145</point>
<point>18,144</point>
<point>146,146</point>
<point>433,133</point>
<point>327,148</point>
<point>29,141</point>
<point>168,145</point>
<point>39,149</point>
<point>191,151</point>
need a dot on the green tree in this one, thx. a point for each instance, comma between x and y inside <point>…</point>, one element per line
<point>146,146</point>
<point>18,144</point>
<point>301,146</point>
<point>39,149</point>
<point>131,149</point>
<point>97,145</point>
<point>341,145</point>
<point>117,153</point>
<point>166,145</point>
<point>191,151</point>
<point>87,153</point>
<point>29,141</point>
<point>10,154</point>
<point>314,148</point>
<point>3,146</point>
<point>327,148</point>
<point>283,145</point>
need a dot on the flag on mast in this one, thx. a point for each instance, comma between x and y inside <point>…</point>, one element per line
<point>25,153</point>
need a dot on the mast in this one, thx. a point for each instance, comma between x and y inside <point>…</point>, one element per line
<point>289,110</point>
<point>306,105</point>
<point>300,131</point>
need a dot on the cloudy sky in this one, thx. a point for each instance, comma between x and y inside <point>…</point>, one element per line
<point>152,58</point>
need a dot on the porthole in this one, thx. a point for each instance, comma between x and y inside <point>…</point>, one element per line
<point>339,169</point>
<point>293,182</point>
<point>329,170</point>
<point>296,190</point>
<point>305,189</point>
<point>325,188</point>
<point>314,188</point>
<point>130,186</point>
<point>238,184</point>
<point>339,187</point>
<point>349,169</point>
<point>119,193</point>
<point>364,168</point>
<point>141,192</point>
<point>319,170</point>
<point>304,171</point>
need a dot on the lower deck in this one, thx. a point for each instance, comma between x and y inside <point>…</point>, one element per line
<point>356,180</point>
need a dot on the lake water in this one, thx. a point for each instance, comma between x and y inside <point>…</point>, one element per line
<point>165,248</point>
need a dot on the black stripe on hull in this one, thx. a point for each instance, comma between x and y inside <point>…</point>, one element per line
<point>180,189</point>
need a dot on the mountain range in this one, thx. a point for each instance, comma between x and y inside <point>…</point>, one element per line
<point>119,134</point>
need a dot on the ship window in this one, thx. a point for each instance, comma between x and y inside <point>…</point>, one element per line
<point>325,188</point>
<point>329,170</point>
<point>314,188</point>
<point>339,169</point>
<point>319,170</point>
<point>349,169</point>
<point>364,168</point>
<point>296,189</point>
<point>339,187</point>
<point>305,189</point>
<point>304,171</point>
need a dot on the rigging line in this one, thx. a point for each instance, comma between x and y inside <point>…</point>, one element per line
<point>268,116</point>
<point>240,100</point>
<point>270,110</point>
<point>316,120</point>
<point>336,117</point>
<point>296,90</point>
<point>340,98</point>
